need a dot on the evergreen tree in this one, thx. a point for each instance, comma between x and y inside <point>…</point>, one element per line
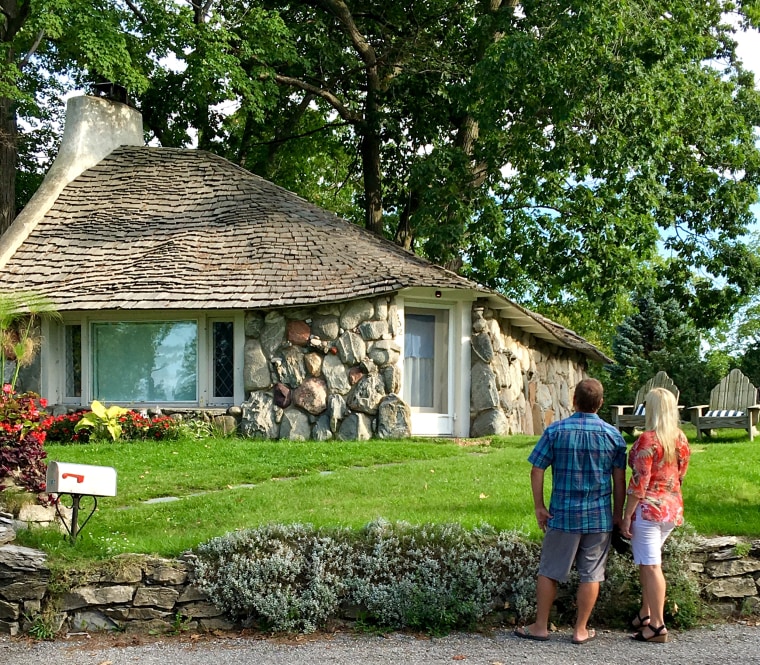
<point>659,336</point>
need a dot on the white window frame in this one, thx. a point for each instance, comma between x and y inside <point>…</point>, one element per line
<point>54,361</point>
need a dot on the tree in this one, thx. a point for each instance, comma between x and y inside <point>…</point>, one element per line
<point>660,336</point>
<point>542,147</point>
<point>47,46</point>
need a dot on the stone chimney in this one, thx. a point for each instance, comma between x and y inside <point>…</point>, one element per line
<point>95,126</point>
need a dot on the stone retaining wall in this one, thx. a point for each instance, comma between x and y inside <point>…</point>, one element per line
<point>729,572</point>
<point>127,593</point>
<point>151,595</point>
<point>520,384</point>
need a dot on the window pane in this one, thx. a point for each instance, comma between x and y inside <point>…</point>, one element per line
<point>73,346</point>
<point>419,359</point>
<point>145,361</point>
<point>223,359</point>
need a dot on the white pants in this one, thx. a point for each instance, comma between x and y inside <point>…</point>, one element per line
<point>647,539</point>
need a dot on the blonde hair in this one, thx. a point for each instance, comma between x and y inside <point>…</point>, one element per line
<point>661,416</point>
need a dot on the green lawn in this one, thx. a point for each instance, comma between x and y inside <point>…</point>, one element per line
<point>227,484</point>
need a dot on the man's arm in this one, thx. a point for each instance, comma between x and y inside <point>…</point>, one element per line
<point>537,485</point>
<point>618,495</point>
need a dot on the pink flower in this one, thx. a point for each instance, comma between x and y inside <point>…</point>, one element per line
<point>7,388</point>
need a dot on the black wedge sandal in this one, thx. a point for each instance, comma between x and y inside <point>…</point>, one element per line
<point>638,621</point>
<point>657,635</point>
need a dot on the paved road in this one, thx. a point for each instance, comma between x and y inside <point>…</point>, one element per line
<point>723,644</point>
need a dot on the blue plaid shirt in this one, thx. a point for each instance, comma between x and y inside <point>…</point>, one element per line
<point>582,450</point>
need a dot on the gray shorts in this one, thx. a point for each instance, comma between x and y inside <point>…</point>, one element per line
<point>588,550</point>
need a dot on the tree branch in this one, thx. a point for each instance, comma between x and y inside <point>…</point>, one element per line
<point>137,12</point>
<point>32,50</point>
<point>343,14</point>
<point>329,97</point>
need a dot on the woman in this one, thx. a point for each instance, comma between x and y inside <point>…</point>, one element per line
<point>659,459</point>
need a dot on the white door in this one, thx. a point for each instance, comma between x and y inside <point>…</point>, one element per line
<point>427,370</point>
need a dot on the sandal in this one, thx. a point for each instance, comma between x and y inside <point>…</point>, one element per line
<point>657,635</point>
<point>638,621</point>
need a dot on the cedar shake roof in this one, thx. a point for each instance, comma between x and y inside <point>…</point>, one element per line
<point>162,228</point>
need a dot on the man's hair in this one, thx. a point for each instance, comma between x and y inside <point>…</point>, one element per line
<point>588,395</point>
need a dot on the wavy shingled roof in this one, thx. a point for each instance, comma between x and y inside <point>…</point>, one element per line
<point>162,228</point>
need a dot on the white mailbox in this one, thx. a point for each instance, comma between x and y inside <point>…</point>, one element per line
<point>65,478</point>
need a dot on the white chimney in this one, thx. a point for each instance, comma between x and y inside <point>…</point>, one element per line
<point>95,126</point>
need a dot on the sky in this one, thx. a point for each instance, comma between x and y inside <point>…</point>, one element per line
<point>748,50</point>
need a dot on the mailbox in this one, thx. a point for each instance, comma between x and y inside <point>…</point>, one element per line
<point>65,478</point>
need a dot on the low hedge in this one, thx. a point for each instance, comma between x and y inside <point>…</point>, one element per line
<point>435,578</point>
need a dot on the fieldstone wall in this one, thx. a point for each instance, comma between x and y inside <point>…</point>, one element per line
<point>143,594</point>
<point>729,570</point>
<point>326,372</point>
<point>127,593</point>
<point>520,384</point>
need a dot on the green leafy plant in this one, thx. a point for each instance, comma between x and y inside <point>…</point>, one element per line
<point>19,315</point>
<point>103,420</point>
<point>22,436</point>
<point>40,626</point>
<point>179,624</point>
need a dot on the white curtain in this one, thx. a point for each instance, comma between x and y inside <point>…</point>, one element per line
<point>419,359</point>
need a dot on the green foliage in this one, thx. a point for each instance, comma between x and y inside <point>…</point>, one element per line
<point>40,626</point>
<point>19,342</point>
<point>683,604</point>
<point>432,577</point>
<point>543,148</point>
<point>659,336</point>
<point>103,421</point>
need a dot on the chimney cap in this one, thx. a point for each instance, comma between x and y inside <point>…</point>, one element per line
<point>112,91</point>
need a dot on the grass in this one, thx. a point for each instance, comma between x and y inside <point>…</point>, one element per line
<point>226,484</point>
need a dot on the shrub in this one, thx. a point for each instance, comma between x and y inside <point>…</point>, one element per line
<point>287,577</point>
<point>61,429</point>
<point>137,427</point>
<point>439,577</point>
<point>22,435</point>
<point>683,604</point>
<point>134,427</point>
<point>432,577</point>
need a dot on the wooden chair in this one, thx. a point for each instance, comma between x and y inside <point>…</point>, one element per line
<point>733,404</point>
<point>631,416</point>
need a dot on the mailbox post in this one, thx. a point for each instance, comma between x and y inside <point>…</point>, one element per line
<point>78,480</point>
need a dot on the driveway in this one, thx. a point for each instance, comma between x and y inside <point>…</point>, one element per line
<point>732,644</point>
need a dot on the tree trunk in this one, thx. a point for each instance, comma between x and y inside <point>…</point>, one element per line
<point>15,13</point>
<point>371,167</point>
<point>8,158</point>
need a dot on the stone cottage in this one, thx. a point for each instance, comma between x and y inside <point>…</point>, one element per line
<point>186,283</point>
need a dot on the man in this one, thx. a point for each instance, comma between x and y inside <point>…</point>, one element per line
<point>585,454</point>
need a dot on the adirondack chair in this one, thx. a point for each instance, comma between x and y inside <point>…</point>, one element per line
<point>733,404</point>
<point>630,416</point>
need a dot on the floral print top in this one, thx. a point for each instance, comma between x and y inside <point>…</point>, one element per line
<point>656,483</point>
